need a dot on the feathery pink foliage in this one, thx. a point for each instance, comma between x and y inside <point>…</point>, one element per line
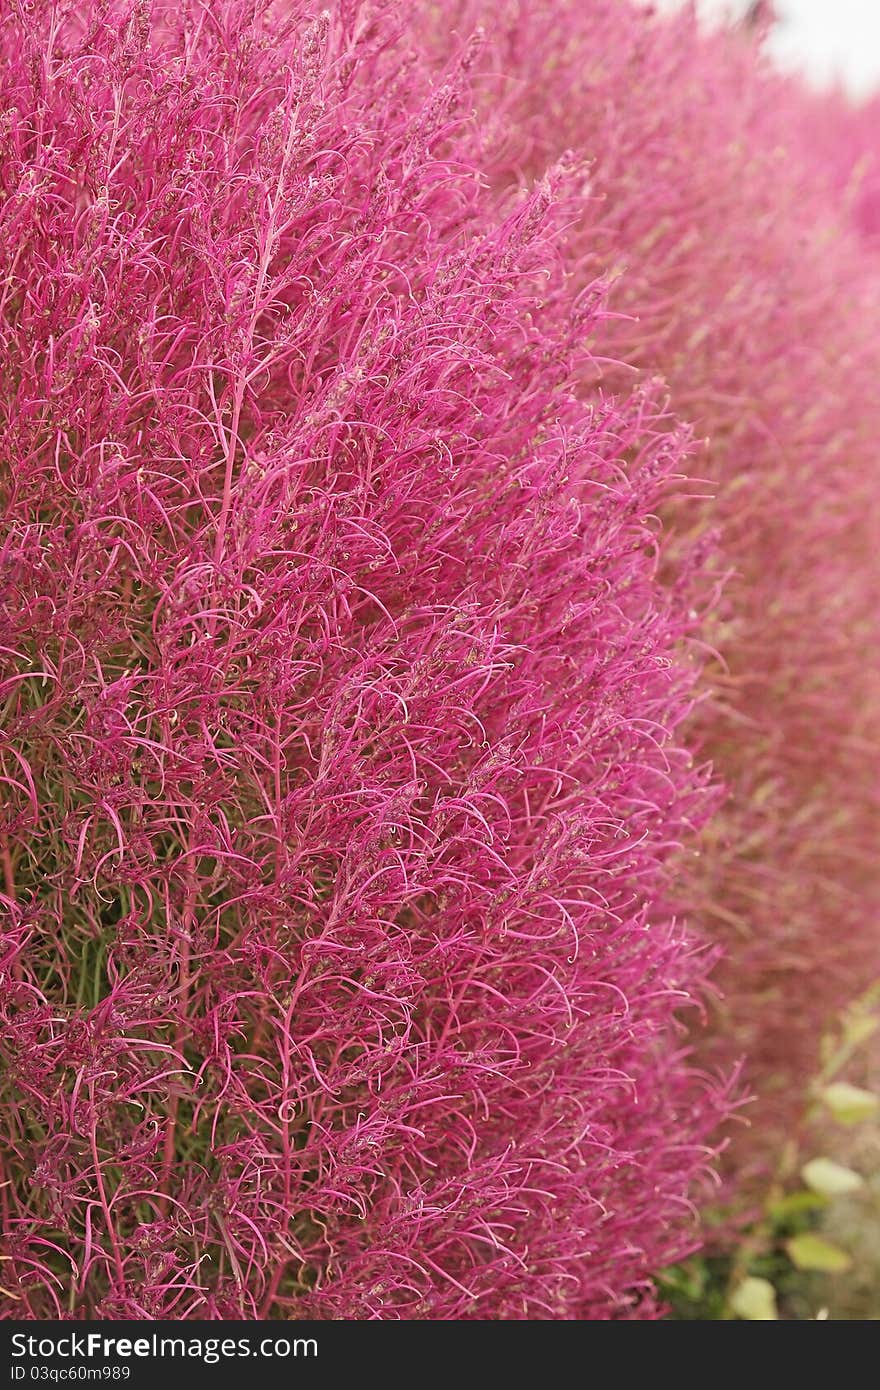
<point>341,735</point>
<point>747,287</point>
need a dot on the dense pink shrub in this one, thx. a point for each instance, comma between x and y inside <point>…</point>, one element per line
<point>746,287</point>
<point>341,737</point>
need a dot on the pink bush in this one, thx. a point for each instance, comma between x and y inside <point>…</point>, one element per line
<point>746,287</point>
<point>341,746</point>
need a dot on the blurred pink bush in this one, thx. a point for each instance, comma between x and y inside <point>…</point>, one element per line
<point>746,286</point>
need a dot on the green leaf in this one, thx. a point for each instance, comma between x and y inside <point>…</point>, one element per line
<point>850,1104</point>
<point>755,1299</point>
<point>795,1204</point>
<point>812,1252</point>
<point>830,1178</point>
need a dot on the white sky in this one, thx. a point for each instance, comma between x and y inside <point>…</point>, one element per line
<point>825,39</point>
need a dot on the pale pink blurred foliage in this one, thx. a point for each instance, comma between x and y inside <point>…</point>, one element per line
<point>846,135</point>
